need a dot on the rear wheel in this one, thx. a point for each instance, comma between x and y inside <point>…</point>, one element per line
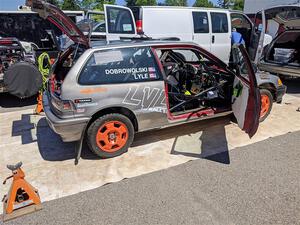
<point>266,104</point>
<point>110,135</point>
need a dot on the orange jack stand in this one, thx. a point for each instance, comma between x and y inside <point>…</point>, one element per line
<point>22,198</point>
<point>39,107</point>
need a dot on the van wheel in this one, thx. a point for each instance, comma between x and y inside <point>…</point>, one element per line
<point>266,104</point>
<point>110,135</point>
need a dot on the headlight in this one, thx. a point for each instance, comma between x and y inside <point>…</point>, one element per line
<point>279,82</point>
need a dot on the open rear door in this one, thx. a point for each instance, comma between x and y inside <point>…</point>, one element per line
<point>246,97</point>
<point>119,22</point>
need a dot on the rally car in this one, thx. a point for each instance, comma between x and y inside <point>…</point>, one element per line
<point>106,92</point>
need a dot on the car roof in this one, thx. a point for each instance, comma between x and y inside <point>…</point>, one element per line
<point>136,42</point>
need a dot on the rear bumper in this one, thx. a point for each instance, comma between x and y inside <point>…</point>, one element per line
<point>281,90</point>
<point>68,129</point>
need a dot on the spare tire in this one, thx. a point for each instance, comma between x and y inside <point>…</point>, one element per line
<point>23,79</point>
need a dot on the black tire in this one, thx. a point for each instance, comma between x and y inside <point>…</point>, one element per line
<point>23,79</point>
<point>266,93</point>
<point>100,122</point>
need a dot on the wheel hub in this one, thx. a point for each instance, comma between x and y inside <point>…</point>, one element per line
<point>112,136</point>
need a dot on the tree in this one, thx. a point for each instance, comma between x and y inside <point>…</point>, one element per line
<point>95,4</point>
<point>130,3</point>
<point>232,4</point>
<point>70,5</point>
<point>238,5</point>
<point>203,3</point>
<point>176,2</point>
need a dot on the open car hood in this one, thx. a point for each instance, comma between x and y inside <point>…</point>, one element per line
<point>288,16</point>
<point>59,19</point>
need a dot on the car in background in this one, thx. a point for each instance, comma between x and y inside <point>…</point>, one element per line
<point>18,69</point>
<point>282,55</point>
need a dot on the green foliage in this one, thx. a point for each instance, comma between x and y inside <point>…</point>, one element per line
<point>203,3</point>
<point>232,4</point>
<point>140,2</point>
<point>176,2</point>
<point>70,5</point>
<point>238,5</point>
<point>95,4</point>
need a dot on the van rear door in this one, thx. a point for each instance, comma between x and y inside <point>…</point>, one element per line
<point>119,22</point>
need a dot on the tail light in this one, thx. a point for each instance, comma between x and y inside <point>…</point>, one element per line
<point>139,26</point>
<point>62,105</point>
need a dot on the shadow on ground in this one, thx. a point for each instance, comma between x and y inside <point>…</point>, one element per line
<point>207,139</point>
<point>10,101</point>
<point>293,85</point>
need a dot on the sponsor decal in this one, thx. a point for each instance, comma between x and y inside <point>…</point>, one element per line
<point>83,100</point>
<point>80,110</point>
<point>147,98</point>
<point>92,90</point>
<point>86,104</point>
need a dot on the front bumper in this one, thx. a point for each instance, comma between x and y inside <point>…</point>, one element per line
<point>69,129</point>
<point>280,91</point>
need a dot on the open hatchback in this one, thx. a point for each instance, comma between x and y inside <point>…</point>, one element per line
<point>282,55</point>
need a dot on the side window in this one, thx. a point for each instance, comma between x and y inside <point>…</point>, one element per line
<point>219,22</point>
<point>239,21</point>
<point>200,22</point>
<point>124,65</point>
<point>119,21</point>
<point>187,55</point>
<point>99,27</point>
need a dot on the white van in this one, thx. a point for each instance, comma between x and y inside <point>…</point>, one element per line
<point>208,27</point>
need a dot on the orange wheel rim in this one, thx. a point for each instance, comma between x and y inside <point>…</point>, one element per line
<point>265,105</point>
<point>112,136</point>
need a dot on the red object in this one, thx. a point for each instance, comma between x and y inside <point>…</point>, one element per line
<point>139,26</point>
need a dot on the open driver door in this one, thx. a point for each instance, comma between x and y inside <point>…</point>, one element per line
<point>246,96</point>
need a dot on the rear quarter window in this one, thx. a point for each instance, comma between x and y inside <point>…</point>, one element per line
<point>125,65</point>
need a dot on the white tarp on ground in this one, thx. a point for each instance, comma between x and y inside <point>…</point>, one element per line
<point>49,164</point>
<point>254,6</point>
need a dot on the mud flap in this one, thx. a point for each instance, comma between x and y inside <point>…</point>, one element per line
<point>78,146</point>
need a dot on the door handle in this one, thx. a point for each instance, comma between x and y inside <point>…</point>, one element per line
<point>213,39</point>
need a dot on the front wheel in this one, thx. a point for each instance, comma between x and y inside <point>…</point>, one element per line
<point>110,135</point>
<point>266,104</point>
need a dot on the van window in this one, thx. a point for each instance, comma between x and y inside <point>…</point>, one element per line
<point>240,21</point>
<point>120,66</point>
<point>119,21</point>
<point>200,22</point>
<point>219,22</point>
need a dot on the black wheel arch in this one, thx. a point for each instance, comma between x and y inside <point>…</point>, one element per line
<point>121,110</point>
<point>270,87</point>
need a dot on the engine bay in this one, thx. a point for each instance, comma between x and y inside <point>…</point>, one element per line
<point>193,82</point>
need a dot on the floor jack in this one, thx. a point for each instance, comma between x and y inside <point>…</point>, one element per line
<point>22,198</point>
<point>39,107</point>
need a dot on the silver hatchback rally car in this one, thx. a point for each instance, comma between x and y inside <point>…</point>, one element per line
<point>106,92</point>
